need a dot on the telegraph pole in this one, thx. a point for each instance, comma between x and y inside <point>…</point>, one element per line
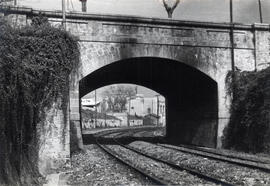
<point>232,46</point>
<point>64,13</point>
<point>15,2</point>
<point>157,109</point>
<point>232,35</point>
<point>260,11</point>
<point>95,108</point>
<point>129,100</point>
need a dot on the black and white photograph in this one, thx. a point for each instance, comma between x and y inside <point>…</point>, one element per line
<point>134,92</point>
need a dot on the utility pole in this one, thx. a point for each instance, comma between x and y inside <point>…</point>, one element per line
<point>232,46</point>
<point>152,110</point>
<point>15,2</point>
<point>103,110</point>
<point>136,90</point>
<point>157,109</point>
<point>64,13</point>
<point>260,11</point>
<point>95,108</point>
<point>232,34</point>
<point>129,101</point>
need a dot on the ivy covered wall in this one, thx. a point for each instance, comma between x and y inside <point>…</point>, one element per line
<point>249,126</point>
<point>35,64</point>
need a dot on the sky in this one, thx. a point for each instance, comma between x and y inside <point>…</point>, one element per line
<point>245,11</point>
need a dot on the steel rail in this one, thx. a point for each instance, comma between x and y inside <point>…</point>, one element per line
<point>197,148</point>
<point>153,178</point>
<point>244,162</point>
<point>173,165</point>
<point>116,130</point>
<point>229,159</point>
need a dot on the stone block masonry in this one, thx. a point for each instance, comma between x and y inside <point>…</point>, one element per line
<point>53,138</point>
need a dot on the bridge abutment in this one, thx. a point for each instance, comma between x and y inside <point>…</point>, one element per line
<point>54,138</point>
<point>75,121</point>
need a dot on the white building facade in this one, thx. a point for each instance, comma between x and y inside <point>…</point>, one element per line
<point>142,106</point>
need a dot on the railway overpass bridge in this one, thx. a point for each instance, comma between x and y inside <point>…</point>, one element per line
<point>187,62</point>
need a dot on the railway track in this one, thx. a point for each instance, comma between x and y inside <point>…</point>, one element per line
<point>245,162</point>
<point>154,179</point>
<point>134,129</point>
<point>160,180</point>
<point>229,155</point>
<point>262,165</point>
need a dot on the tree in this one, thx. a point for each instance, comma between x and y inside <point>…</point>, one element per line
<point>170,8</point>
<point>83,5</point>
<point>117,97</point>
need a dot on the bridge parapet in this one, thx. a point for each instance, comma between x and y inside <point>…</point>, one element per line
<point>250,41</point>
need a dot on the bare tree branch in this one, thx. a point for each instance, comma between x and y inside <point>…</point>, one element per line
<point>166,5</point>
<point>117,97</point>
<point>170,9</point>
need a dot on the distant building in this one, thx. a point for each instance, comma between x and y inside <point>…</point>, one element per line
<point>90,104</point>
<point>151,119</point>
<point>121,116</point>
<point>135,120</point>
<point>128,120</point>
<point>137,108</point>
<point>142,106</point>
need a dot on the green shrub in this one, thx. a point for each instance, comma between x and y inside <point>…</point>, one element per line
<point>35,64</point>
<point>249,126</point>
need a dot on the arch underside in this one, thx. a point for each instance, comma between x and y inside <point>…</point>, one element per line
<point>191,96</point>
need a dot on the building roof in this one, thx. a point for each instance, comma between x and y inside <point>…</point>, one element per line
<point>134,117</point>
<point>89,102</point>
<point>151,115</point>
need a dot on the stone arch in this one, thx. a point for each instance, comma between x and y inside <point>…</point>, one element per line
<point>129,63</point>
<point>106,53</point>
<point>189,92</point>
<point>213,62</point>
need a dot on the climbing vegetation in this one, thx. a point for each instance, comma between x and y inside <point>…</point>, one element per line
<point>249,126</point>
<point>35,64</point>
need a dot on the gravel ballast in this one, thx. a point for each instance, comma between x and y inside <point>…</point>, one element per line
<point>231,173</point>
<point>160,170</point>
<point>95,167</point>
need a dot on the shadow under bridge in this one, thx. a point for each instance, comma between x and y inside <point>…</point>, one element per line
<point>191,96</point>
